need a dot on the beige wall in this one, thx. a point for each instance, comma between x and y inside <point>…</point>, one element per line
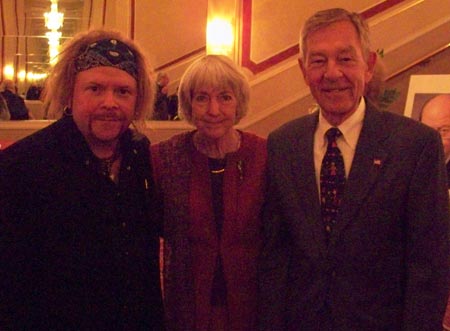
<point>169,30</point>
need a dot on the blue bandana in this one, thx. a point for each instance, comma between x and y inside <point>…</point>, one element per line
<point>107,52</point>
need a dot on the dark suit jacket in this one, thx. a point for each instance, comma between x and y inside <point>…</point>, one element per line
<point>387,261</point>
<point>77,252</point>
<point>448,174</point>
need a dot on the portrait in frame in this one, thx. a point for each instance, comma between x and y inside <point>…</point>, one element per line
<point>421,89</point>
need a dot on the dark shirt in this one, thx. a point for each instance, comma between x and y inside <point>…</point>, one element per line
<point>33,93</point>
<point>219,287</point>
<point>173,106</point>
<point>4,112</point>
<point>161,106</point>
<point>448,174</point>
<point>77,251</point>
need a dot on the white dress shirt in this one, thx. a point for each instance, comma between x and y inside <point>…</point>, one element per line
<point>350,129</point>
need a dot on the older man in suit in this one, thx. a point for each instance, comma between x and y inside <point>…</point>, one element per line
<point>356,219</point>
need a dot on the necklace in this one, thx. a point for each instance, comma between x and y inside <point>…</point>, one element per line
<point>106,164</point>
<point>216,166</point>
<point>212,149</point>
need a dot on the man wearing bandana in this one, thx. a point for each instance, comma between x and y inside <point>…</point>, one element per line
<point>79,221</point>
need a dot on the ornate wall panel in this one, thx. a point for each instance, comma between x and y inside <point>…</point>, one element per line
<point>270,31</point>
<point>171,29</point>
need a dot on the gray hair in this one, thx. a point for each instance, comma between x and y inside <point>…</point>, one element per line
<point>214,71</point>
<point>326,17</point>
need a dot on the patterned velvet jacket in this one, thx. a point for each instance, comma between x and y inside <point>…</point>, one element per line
<point>191,241</point>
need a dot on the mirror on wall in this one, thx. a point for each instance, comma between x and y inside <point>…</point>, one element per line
<point>24,42</point>
<point>32,31</point>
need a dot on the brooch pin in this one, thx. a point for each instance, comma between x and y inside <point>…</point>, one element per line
<point>240,168</point>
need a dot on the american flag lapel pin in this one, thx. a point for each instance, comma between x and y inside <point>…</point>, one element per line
<point>377,162</point>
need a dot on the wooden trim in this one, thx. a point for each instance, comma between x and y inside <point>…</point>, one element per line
<point>2,11</point>
<point>186,56</point>
<point>382,6</point>
<point>104,13</point>
<point>90,13</point>
<point>132,18</point>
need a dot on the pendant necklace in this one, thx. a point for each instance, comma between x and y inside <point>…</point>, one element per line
<point>106,164</point>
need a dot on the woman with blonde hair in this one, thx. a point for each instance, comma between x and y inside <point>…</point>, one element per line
<point>212,183</point>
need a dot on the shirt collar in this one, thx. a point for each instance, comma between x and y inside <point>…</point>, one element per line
<point>76,146</point>
<point>350,128</point>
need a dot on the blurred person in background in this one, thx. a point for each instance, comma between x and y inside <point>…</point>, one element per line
<point>436,114</point>
<point>14,102</point>
<point>161,111</point>
<point>4,112</point>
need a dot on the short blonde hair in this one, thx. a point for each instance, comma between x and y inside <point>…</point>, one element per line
<point>61,81</point>
<point>213,71</point>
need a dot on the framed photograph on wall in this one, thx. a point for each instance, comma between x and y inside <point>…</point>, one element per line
<point>421,89</point>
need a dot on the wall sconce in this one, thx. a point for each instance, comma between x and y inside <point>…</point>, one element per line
<point>219,37</point>
<point>8,71</point>
<point>222,27</point>
<point>21,75</point>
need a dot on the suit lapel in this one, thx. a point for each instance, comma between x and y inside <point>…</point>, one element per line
<point>448,174</point>
<point>370,156</point>
<point>304,179</point>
